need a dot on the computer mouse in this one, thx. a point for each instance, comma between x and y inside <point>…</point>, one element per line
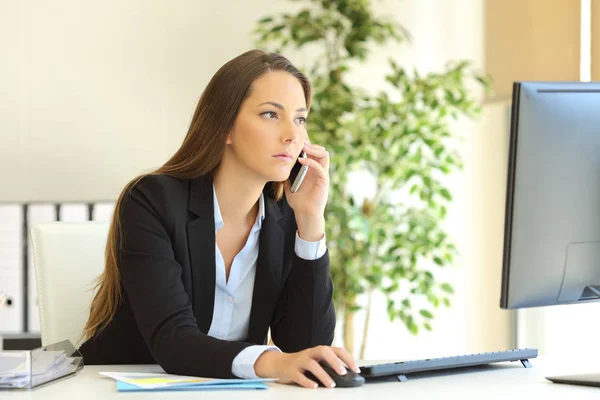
<point>350,379</point>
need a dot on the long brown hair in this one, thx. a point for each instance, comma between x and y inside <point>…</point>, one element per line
<point>199,154</point>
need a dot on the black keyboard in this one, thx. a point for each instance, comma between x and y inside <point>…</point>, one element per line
<point>401,368</point>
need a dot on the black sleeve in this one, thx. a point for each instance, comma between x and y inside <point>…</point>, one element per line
<point>151,279</point>
<point>304,316</point>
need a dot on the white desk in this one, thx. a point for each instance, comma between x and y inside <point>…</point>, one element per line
<point>499,381</point>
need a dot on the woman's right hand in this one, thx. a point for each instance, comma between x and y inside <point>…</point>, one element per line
<point>291,367</point>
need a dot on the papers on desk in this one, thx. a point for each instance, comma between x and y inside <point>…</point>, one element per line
<point>138,381</point>
<point>27,369</point>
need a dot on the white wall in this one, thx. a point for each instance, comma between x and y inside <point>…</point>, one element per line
<point>94,93</point>
<point>564,332</point>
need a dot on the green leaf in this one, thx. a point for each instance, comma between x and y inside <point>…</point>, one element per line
<point>354,308</point>
<point>412,327</point>
<point>426,314</point>
<point>446,194</point>
<point>447,288</point>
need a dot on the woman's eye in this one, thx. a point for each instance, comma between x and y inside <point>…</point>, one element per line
<point>302,120</point>
<point>270,114</point>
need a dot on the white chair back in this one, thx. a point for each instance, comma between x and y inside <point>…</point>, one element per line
<point>68,257</point>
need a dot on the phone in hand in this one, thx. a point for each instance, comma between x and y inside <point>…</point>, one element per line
<point>298,173</point>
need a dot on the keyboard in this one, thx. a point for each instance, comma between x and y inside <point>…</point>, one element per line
<point>402,368</point>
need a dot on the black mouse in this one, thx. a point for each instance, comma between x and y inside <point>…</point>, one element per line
<point>350,379</point>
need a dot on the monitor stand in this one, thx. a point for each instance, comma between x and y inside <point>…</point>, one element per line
<point>594,289</point>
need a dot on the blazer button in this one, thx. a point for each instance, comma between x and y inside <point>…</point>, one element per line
<point>229,299</point>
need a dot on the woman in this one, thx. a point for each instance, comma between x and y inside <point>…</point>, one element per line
<point>211,250</point>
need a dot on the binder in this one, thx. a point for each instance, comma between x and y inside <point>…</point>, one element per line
<point>11,268</point>
<point>103,212</point>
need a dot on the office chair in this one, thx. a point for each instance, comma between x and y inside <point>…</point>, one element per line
<point>69,256</point>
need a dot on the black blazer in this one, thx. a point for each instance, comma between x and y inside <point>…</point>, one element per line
<point>167,267</point>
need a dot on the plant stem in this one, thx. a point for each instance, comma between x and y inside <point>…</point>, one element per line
<point>366,327</point>
<point>349,328</point>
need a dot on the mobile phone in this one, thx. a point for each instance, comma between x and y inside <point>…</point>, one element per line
<point>298,173</point>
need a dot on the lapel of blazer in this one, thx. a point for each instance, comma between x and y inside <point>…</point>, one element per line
<point>201,243</point>
<point>268,272</point>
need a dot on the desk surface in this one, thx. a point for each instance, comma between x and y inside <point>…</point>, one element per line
<point>497,381</point>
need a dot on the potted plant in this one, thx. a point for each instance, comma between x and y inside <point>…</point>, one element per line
<point>393,241</point>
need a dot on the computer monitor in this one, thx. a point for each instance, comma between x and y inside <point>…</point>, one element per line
<point>552,218</point>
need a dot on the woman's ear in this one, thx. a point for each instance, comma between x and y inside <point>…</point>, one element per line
<point>229,137</point>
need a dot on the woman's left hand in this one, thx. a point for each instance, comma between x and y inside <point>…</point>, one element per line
<point>309,201</point>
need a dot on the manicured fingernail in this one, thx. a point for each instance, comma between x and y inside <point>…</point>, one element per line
<point>357,370</point>
<point>342,370</point>
<point>332,385</point>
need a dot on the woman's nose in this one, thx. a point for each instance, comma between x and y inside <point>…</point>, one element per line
<point>291,134</point>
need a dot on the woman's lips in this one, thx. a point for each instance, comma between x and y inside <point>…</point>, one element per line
<point>283,157</point>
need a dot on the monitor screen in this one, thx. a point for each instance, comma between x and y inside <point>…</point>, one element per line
<point>552,220</point>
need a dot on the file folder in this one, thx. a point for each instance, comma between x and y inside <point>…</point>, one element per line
<point>158,382</point>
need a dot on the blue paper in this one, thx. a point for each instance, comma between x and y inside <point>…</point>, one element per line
<point>127,387</point>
